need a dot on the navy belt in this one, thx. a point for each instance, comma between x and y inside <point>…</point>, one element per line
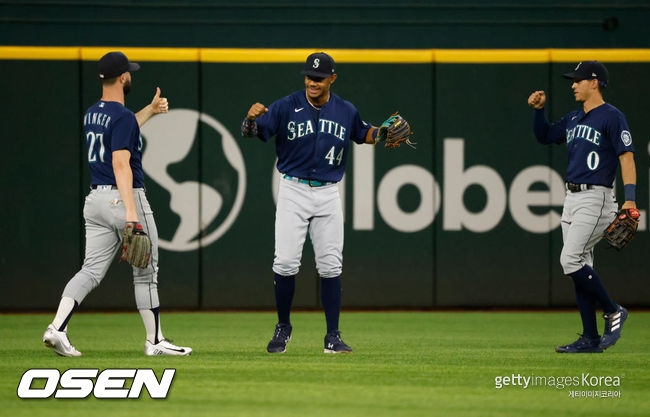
<point>574,188</point>
<point>312,183</point>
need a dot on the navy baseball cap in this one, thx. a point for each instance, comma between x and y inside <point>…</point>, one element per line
<point>589,70</point>
<point>115,63</point>
<point>319,64</point>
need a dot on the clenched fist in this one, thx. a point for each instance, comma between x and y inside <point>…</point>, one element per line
<point>256,111</point>
<point>537,100</point>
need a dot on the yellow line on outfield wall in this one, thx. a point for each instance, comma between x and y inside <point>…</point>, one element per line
<point>412,56</point>
<point>40,53</point>
<point>605,55</point>
<point>144,54</point>
<point>485,56</point>
<point>387,56</point>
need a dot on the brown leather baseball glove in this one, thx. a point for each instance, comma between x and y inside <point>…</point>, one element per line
<point>394,131</point>
<point>136,245</point>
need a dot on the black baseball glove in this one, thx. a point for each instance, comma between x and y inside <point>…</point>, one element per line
<point>623,228</point>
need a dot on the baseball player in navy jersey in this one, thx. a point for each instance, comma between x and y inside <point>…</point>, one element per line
<point>597,138</point>
<point>117,198</point>
<point>313,129</point>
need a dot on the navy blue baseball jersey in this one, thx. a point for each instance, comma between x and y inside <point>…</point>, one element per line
<point>109,127</point>
<point>594,141</point>
<point>312,144</point>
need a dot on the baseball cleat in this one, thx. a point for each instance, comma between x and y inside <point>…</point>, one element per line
<point>59,342</point>
<point>281,337</point>
<point>165,348</point>
<point>334,344</point>
<point>582,345</point>
<point>613,326</point>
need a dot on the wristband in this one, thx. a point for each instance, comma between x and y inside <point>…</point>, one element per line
<point>249,128</point>
<point>630,192</point>
<point>374,134</point>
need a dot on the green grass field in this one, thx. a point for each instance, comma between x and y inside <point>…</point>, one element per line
<point>404,364</point>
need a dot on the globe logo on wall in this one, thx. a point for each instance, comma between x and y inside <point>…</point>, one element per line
<point>181,147</point>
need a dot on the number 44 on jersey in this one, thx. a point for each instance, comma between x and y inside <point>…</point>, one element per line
<point>330,156</point>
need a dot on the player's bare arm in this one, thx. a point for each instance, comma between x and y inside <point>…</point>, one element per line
<point>628,174</point>
<point>158,105</point>
<point>537,99</point>
<point>124,180</point>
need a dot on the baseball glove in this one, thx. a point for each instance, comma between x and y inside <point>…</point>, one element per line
<point>136,245</point>
<point>394,131</point>
<point>623,228</point>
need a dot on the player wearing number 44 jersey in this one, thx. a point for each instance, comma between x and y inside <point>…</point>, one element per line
<point>597,139</point>
<point>116,211</point>
<point>313,129</point>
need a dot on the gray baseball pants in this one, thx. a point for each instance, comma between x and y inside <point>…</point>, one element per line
<point>104,214</point>
<point>585,217</point>
<point>316,210</point>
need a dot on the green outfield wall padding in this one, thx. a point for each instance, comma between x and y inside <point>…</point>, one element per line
<point>470,218</point>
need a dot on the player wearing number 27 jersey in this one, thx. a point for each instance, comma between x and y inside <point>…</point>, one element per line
<point>117,198</point>
<point>597,138</point>
<point>109,126</point>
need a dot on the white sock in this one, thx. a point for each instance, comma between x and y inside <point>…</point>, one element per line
<point>66,307</point>
<point>151,322</point>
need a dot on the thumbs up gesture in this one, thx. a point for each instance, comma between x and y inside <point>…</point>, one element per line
<point>159,104</point>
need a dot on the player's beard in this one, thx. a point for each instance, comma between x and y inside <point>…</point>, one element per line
<point>127,87</point>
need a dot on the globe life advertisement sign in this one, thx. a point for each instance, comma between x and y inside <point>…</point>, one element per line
<point>169,140</point>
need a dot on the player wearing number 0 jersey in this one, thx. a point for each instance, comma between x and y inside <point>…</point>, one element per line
<point>597,138</point>
<point>313,130</point>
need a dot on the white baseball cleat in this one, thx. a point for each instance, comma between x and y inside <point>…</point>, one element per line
<point>164,347</point>
<point>59,342</point>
